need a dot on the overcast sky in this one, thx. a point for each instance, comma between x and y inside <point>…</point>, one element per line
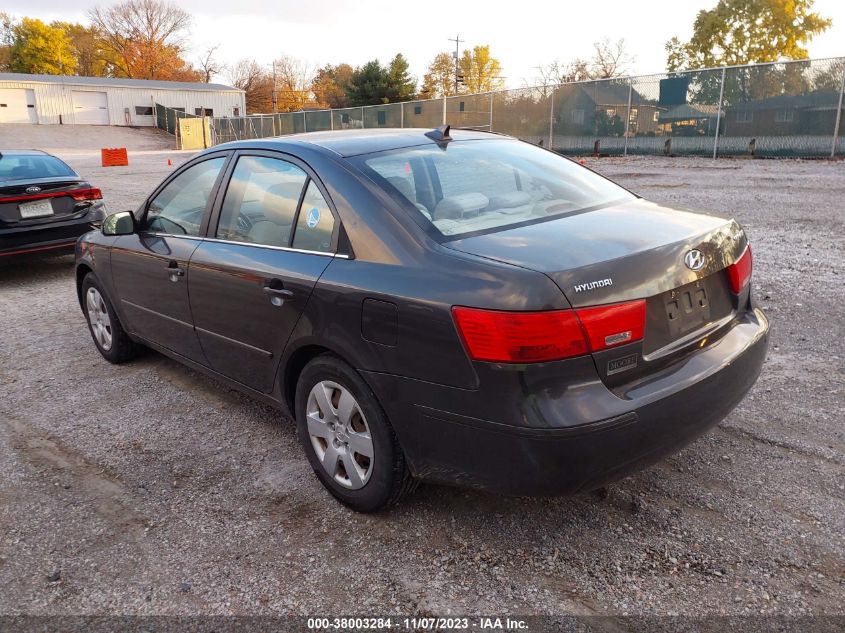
<point>521,34</point>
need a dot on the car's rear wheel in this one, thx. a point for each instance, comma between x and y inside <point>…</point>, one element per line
<point>106,330</point>
<point>347,437</point>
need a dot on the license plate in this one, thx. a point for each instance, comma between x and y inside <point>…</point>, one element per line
<point>36,209</point>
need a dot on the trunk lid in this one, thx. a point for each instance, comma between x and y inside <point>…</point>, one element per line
<point>628,251</point>
<point>639,246</point>
<point>13,194</point>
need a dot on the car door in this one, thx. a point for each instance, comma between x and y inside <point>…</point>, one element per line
<point>270,238</point>
<point>150,267</point>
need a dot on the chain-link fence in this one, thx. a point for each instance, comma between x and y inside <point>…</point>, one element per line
<point>779,109</point>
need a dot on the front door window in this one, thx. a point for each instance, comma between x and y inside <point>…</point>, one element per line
<point>178,209</point>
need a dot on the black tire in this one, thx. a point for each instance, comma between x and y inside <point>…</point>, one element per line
<point>122,348</point>
<point>390,478</point>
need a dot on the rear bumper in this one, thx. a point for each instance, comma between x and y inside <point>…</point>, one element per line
<point>55,236</point>
<point>580,436</point>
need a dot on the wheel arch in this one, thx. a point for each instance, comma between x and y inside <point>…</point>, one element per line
<point>293,367</point>
<point>81,271</point>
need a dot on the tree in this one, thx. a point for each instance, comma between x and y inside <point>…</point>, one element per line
<point>252,78</point>
<point>401,86</point>
<point>481,71</point>
<point>374,84</point>
<point>329,85</point>
<point>611,59</point>
<point>209,65</point>
<point>559,73</point>
<point>830,79</point>
<point>607,125</point>
<point>87,47</point>
<point>7,39</point>
<point>41,49</point>
<point>368,85</point>
<point>293,80</point>
<point>145,39</point>
<point>439,81</point>
<point>747,31</point>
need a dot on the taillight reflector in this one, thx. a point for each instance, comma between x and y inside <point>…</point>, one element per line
<point>739,273</point>
<point>532,337</point>
<point>612,325</point>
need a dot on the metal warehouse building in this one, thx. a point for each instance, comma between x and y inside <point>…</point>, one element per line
<point>56,99</point>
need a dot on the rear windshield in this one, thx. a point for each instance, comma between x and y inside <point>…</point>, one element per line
<point>31,166</point>
<point>488,185</point>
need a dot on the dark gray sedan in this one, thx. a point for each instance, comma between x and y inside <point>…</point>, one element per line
<point>450,306</point>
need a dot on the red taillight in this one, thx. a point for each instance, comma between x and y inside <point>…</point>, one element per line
<point>80,195</point>
<point>532,337</point>
<point>739,273</point>
<point>520,337</point>
<point>611,325</point>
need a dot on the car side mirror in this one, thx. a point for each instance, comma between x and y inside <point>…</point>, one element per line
<point>120,223</point>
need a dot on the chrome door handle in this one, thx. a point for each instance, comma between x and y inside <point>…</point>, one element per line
<point>277,292</point>
<point>174,272</point>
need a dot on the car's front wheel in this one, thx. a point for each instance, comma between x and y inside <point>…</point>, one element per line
<point>347,437</point>
<point>108,334</point>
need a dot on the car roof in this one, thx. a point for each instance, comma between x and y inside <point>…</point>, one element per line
<point>354,142</point>
<point>23,152</point>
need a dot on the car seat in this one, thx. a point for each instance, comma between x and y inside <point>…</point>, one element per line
<point>279,209</point>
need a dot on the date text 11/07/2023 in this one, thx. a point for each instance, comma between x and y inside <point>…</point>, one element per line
<point>491,623</point>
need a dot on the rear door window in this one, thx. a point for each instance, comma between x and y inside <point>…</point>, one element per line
<point>315,226</point>
<point>261,201</point>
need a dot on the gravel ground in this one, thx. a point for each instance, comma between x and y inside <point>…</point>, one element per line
<point>150,489</point>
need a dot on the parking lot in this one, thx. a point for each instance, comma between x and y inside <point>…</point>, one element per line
<point>148,488</point>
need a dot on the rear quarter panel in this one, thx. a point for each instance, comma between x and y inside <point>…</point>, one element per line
<point>396,263</point>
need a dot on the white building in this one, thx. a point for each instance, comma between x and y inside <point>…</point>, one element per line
<point>56,99</point>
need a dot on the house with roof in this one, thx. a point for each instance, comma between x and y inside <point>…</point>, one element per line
<point>599,108</point>
<point>811,113</point>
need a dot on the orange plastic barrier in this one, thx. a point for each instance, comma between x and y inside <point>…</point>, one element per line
<point>114,157</point>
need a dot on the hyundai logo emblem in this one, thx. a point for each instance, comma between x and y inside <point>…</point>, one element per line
<point>694,259</point>
<point>33,189</point>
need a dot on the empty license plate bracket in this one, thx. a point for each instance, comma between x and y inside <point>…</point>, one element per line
<point>687,308</point>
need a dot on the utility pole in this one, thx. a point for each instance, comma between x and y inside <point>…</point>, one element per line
<point>458,41</point>
<point>275,103</point>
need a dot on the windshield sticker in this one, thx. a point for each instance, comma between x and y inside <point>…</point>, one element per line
<point>313,218</point>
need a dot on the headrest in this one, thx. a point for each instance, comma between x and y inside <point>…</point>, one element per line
<point>403,185</point>
<point>510,200</point>
<point>280,202</point>
<point>461,205</point>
